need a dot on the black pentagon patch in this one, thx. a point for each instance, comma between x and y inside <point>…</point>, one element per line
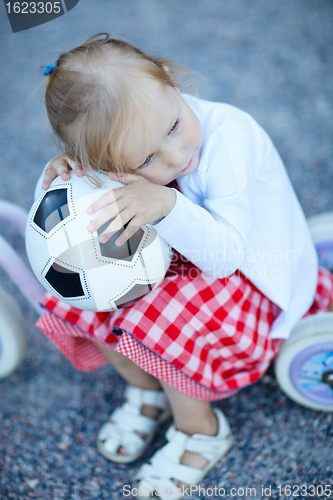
<point>126,251</point>
<point>134,294</point>
<point>66,283</point>
<point>52,209</point>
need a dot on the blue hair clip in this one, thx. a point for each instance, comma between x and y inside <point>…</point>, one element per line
<point>50,69</point>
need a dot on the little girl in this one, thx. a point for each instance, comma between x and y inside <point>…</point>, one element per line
<point>244,269</point>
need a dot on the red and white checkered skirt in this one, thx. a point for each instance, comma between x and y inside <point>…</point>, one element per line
<point>205,337</point>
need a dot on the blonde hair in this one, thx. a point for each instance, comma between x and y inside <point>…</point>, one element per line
<point>94,91</point>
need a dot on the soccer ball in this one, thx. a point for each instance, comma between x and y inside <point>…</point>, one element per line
<point>73,265</point>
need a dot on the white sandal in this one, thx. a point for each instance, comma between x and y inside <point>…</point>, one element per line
<point>125,422</point>
<point>165,463</point>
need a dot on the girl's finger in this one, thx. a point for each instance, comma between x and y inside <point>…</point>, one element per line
<point>78,170</point>
<point>49,175</point>
<point>62,168</point>
<point>74,165</point>
<point>124,178</point>
<point>112,228</point>
<point>64,174</point>
<point>128,232</point>
<point>107,199</point>
<point>110,213</point>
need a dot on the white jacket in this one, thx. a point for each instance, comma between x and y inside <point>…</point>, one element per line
<point>238,210</point>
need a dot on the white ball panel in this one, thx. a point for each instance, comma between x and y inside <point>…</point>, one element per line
<point>156,256</point>
<point>37,259</point>
<point>57,242</point>
<point>104,279</point>
<point>78,233</point>
<point>112,282</point>
<point>83,186</point>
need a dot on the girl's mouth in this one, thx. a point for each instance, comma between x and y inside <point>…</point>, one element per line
<point>187,165</point>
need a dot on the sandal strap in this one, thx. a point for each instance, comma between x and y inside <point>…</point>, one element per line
<point>207,446</point>
<point>182,442</point>
<point>130,420</point>
<point>165,463</point>
<point>175,470</point>
<point>150,482</point>
<point>125,424</point>
<point>138,397</point>
<point>115,437</point>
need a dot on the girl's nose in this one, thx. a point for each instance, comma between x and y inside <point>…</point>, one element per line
<point>176,157</point>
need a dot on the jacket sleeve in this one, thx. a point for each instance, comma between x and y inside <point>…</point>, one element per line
<point>214,234</point>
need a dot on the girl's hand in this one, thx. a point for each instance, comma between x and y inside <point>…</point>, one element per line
<point>138,203</point>
<point>60,165</point>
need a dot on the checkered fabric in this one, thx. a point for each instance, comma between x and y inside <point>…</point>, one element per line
<point>206,337</point>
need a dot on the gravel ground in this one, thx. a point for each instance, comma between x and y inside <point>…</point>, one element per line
<point>272,58</point>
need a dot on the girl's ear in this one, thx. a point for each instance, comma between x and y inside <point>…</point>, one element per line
<point>165,67</point>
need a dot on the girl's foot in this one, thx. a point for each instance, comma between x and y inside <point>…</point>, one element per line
<point>132,427</point>
<point>167,471</point>
<point>196,460</point>
<point>147,411</point>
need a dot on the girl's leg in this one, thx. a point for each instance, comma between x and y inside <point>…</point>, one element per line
<point>132,373</point>
<point>191,416</point>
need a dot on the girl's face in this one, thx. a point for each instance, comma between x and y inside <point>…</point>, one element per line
<point>165,140</point>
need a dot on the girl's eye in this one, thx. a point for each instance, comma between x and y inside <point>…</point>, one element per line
<point>147,161</point>
<point>174,126</point>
